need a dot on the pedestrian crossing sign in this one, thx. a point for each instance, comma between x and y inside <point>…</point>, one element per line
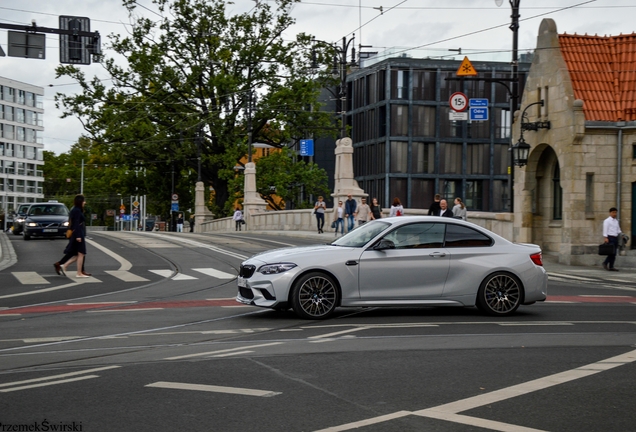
<point>466,68</point>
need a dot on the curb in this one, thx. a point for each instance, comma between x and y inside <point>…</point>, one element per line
<point>8,256</point>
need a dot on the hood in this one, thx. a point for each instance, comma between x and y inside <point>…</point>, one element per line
<point>288,254</point>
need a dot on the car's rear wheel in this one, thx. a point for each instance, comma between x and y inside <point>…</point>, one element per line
<point>500,294</point>
<point>314,296</point>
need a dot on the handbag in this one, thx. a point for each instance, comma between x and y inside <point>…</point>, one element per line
<point>69,233</point>
<point>333,224</point>
<point>606,249</point>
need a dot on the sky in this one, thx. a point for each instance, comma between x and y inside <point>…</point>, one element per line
<point>416,28</point>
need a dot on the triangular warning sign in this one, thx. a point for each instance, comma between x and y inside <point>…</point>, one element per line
<point>466,68</point>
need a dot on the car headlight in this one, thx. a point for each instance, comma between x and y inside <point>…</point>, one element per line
<point>19,220</point>
<point>276,268</point>
<point>32,224</point>
<point>65,224</point>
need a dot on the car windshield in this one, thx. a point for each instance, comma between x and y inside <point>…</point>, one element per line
<point>362,235</point>
<point>48,210</point>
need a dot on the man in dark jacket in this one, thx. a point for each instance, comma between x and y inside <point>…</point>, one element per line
<point>350,209</point>
<point>433,210</point>
<point>444,210</point>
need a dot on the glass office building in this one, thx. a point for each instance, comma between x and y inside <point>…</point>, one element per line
<point>406,145</point>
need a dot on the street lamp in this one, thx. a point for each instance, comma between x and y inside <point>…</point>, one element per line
<point>521,149</point>
<point>514,98</point>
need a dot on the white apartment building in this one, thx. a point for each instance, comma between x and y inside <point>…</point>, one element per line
<point>21,144</point>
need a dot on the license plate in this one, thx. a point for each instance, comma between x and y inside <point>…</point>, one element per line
<point>49,230</point>
<point>241,282</point>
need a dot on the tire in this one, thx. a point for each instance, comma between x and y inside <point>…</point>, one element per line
<point>314,296</point>
<point>500,294</point>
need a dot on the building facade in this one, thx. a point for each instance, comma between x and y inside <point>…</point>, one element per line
<point>585,163</point>
<point>406,145</point>
<point>21,144</point>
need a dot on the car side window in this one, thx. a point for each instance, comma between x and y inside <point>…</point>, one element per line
<point>462,236</point>
<point>418,235</point>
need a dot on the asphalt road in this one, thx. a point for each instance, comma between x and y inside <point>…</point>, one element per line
<point>155,341</point>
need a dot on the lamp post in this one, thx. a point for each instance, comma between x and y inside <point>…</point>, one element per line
<point>514,97</point>
<point>521,149</point>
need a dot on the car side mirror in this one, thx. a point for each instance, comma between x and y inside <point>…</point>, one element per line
<point>384,244</point>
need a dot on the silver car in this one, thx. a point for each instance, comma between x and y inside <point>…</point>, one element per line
<point>400,261</point>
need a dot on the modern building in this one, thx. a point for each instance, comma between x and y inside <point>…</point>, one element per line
<point>407,144</point>
<point>585,162</point>
<point>21,159</point>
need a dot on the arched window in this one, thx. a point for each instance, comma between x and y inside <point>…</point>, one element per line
<point>557,193</point>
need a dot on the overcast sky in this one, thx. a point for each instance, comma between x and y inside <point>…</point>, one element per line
<point>419,28</point>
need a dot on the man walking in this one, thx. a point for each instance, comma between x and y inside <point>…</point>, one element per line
<point>611,231</point>
<point>350,211</point>
<point>444,210</point>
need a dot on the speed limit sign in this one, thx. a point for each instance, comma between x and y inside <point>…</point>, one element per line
<point>458,102</point>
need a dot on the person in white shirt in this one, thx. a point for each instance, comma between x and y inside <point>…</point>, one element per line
<point>339,219</point>
<point>611,231</point>
<point>238,219</point>
<point>362,213</point>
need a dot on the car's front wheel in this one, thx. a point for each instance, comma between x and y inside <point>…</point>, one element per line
<point>500,294</point>
<point>314,296</point>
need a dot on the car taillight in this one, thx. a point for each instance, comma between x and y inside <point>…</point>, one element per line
<point>537,259</point>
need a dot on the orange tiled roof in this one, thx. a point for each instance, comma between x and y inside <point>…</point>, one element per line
<point>603,72</point>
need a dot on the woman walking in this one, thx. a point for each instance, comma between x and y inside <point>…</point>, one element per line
<point>76,248</point>
<point>319,211</point>
<point>459,210</point>
<point>396,208</point>
<point>376,210</point>
<point>339,219</point>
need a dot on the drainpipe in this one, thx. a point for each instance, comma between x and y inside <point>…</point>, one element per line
<point>619,171</point>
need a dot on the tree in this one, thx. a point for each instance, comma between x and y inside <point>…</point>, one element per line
<point>192,81</point>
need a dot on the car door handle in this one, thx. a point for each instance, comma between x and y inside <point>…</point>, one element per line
<point>437,255</point>
<point>351,263</point>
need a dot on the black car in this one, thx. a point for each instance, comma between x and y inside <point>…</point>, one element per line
<point>18,218</point>
<point>48,219</point>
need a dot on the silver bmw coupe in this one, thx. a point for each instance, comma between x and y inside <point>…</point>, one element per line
<point>400,261</point>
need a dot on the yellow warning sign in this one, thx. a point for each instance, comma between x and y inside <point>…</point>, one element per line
<point>466,68</point>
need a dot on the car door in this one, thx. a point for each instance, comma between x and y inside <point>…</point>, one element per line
<point>416,269</point>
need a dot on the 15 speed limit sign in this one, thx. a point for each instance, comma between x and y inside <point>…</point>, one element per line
<point>458,102</point>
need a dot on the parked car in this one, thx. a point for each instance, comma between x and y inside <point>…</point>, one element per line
<point>49,219</point>
<point>399,261</point>
<point>18,218</point>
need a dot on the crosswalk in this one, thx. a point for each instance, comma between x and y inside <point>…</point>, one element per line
<point>34,278</point>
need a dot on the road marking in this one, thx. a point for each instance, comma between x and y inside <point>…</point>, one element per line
<point>214,389</point>
<point>232,353</point>
<point>52,377</point>
<point>124,264</point>
<point>202,245</point>
<point>126,276</point>
<point>50,383</point>
<point>163,273</point>
<point>220,351</point>
<point>29,278</point>
<point>536,324</point>
<point>123,310</point>
<point>181,276</point>
<point>449,411</point>
<point>328,335</point>
<point>569,276</point>
<point>215,273</point>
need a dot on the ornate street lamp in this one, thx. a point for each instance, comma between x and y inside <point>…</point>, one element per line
<point>521,149</point>
<point>520,152</point>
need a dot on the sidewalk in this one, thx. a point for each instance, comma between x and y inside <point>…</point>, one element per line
<point>550,262</point>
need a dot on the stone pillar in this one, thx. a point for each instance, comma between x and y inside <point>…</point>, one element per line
<point>252,201</point>
<point>344,183</point>
<point>201,212</point>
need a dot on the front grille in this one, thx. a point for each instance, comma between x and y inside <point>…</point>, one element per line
<point>246,293</point>
<point>247,271</point>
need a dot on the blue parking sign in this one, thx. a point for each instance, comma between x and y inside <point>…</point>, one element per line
<point>306,147</point>
<point>478,114</point>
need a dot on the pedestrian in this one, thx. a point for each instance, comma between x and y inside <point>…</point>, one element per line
<point>396,208</point>
<point>444,210</point>
<point>350,210</point>
<point>459,210</point>
<point>76,248</point>
<point>192,223</point>
<point>238,219</point>
<point>180,223</point>
<point>611,231</point>
<point>319,211</point>
<point>339,220</point>
<point>433,210</point>
<point>363,212</point>
<point>376,210</point>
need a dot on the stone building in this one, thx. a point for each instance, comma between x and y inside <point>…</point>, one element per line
<point>585,162</point>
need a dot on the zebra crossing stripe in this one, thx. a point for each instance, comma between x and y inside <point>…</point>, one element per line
<point>215,273</point>
<point>29,278</point>
<point>126,276</point>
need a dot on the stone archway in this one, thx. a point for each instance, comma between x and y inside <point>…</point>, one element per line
<point>538,193</point>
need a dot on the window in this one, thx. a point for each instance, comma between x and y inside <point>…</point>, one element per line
<point>422,192</point>
<point>502,159</point>
<point>398,188</point>
<point>399,120</point>
<point>589,194</point>
<point>399,157</point>
<point>475,194</point>
<point>461,236</point>
<point>399,84</point>
<point>423,158</point>
<point>424,83</point>
<point>418,235</point>
<point>502,123</point>
<point>449,128</point>
<point>478,159</point>
<point>450,158</point>
<point>8,113</point>
<point>557,192</point>
<point>423,121</point>
<point>8,94</point>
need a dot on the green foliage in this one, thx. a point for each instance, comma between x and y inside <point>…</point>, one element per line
<point>191,81</point>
